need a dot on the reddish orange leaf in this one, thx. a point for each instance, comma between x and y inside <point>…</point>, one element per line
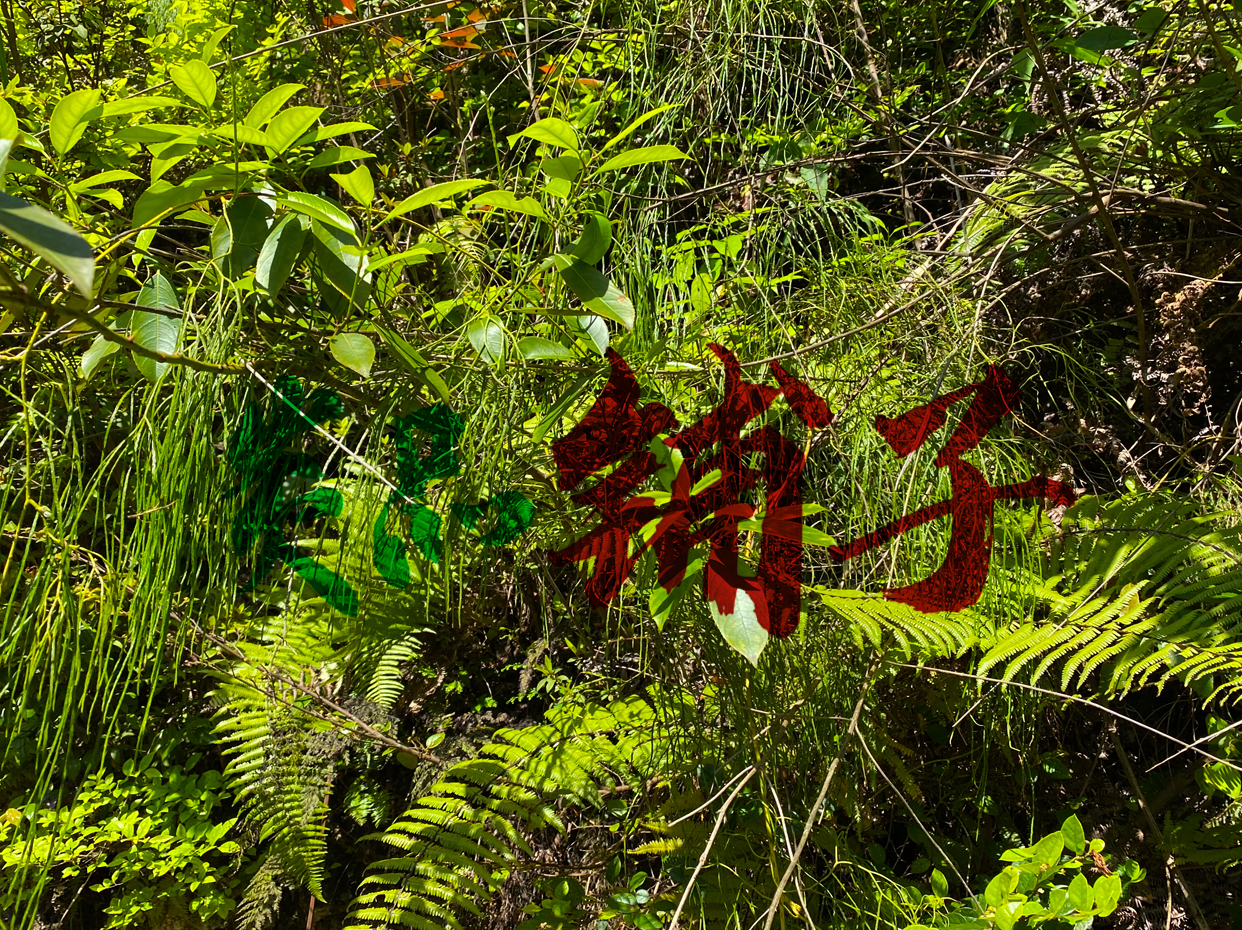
<point>437,94</point>
<point>384,83</point>
<point>442,18</point>
<point>350,5</point>
<point>476,16</point>
<point>338,19</point>
<point>455,65</point>
<point>590,82</point>
<point>461,32</point>
<point>547,69</point>
<point>505,53</point>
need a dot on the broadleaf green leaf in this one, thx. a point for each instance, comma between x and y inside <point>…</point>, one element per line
<point>355,351</point>
<point>433,194</point>
<point>358,184</point>
<point>595,240</point>
<point>269,105</point>
<point>597,293</point>
<point>340,263</point>
<point>643,156</point>
<point>156,331</point>
<point>9,129</point>
<point>96,353</point>
<point>331,131</point>
<point>280,253</point>
<point>50,238</point>
<point>1105,38</point>
<point>336,155</point>
<point>550,130</point>
<point>318,208</point>
<point>138,105</point>
<point>1080,893</point>
<point>102,179</point>
<point>70,117</point>
<point>488,338</point>
<point>505,200</point>
<point>196,80</point>
<point>740,626</point>
<point>536,347</point>
<point>1073,835</point>
<point>287,127</point>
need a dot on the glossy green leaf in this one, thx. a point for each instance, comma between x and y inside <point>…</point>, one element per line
<point>280,253</point>
<point>156,331</point>
<point>340,263</point>
<point>550,130</point>
<point>96,353</point>
<point>433,194</point>
<point>331,131</point>
<point>162,198</point>
<point>415,256</point>
<point>355,351</point>
<point>9,129</point>
<point>213,42</point>
<point>269,105</point>
<point>318,208</point>
<point>563,168</point>
<point>138,105</point>
<point>336,155</point>
<point>536,347</point>
<point>488,338</point>
<point>358,184</point>
<point>6,146</point>
<point>70,117</point>
<point>595,240</point>
<point>50,238</point>
<point>167,155</point>
<point>196,80</point>
<point>247,135</point>
<point>239,234</point>
<point>643,156</point>
<point>102,179</point>
<point>596,332</point>
<point>939,884</point>
<point>1080,893</point>
<point>1000,887</point>
<point>1073,836</point>
<point>289,125</point>
<point>1047,852</point>
<point>597,293</point>
<point>504,200</point>
<point>740,627</point>
<point>1107,893</point>
<point>155,133</point>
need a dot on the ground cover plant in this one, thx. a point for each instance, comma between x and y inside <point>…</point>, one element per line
<point>446,451</point>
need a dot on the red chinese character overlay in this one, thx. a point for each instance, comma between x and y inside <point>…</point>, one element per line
<point>616,427</point>
<point>959,580</point>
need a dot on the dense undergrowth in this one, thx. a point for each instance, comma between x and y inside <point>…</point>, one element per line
<point>281,644</point>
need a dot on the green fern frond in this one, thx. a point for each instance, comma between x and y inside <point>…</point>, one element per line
<point>1141,590</point>
<point>461,839</point>
<point>872,620</point>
